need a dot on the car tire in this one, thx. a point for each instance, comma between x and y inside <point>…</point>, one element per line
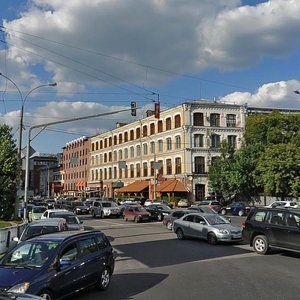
<point>212,239</point>
<point>223,211</point>
<point>46,294</point>
<point>93,214</point>
<point>159,217</point>
<point>104,279</point>
<point>261,244</point>
<point>241,213</point>
<point>169,225</point>
<point>180,234</point>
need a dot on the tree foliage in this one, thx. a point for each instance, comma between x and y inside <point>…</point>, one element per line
<point>267,161</point>
<point>8,172</point>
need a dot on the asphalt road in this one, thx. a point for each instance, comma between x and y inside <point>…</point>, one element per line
<point>152,264</point>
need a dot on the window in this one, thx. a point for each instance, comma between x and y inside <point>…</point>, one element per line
<point>115,155</point>
<point>178,165</point>
<point>177,142</point>
<point>198,119</point>
<point>152,128</point>
<point>169,144</point>
<point>125,153</point>
<point>160,146</point>
<point>168,124</point>
<point>145,147</point>
<point>131,171</point>
<point>259,216</point>
<point>198,140</point>
<point>215,120</point>
<point>292,220</point>
<point>101,242</point>
<point>215,141</point>
<point>87,246</point>
<point>115,172</point>
<point>120,154</point>
<point>152,168</point>
<point>115,140</point>
<point>126,137</point>
<point>138,150</point>
<point>145,130</point>
<point>169,166</point>
<point>138,133</point>
<point>199,165</point>
<point>160,126</point>
<point>131,135</point>
<point>69,253</point>
<point>152,148</point>
<point>275,217</point>
<point>110,142</point>
<point>138,170</point>
<point>177,121</point>
<point>105,143</point>
<point>232,140</point>
<point>131,152</point>
<point>160,170</point>
<point>120,138</point>
<point>145,169</point>
<point>231,120</point>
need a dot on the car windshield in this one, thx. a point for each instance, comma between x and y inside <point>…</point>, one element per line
<point>32,231</point>
<point>71,219</point>
<point>139,208</point>
<point>39,209</point>
<point>164,207</point>
<point>216,219</point>
<point>208,210</point>
<point>78,204</point>
<point>109,204</point>
<point>29,255</point>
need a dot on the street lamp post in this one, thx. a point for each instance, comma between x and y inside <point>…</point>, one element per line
<point>23,100</point>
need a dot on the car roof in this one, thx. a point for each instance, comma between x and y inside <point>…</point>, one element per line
<point>64,235</point>
<point>47,222</point>
<point>56,210</point>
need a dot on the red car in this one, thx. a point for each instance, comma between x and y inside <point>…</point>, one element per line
<point>136,214</point>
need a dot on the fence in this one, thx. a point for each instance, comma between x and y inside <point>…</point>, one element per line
<point>6,236</point>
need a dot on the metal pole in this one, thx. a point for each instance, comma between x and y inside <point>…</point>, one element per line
<point>44,126</point>
<point>48,182</point>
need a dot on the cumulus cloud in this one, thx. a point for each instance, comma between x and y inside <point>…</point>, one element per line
<point>276,94</point>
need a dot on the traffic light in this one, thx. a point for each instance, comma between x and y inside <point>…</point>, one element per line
<point>133,108</point>
<point>157,110</point>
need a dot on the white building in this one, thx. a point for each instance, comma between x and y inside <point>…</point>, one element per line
<point>181,144</point>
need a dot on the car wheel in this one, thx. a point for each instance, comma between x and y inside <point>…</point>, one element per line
<point>46,294</point>
<point>241,213</point>
<point>169,225</point>
<point>180,234</point>
<point>223,211</point>
<point>261,244</point>
<point>93,214</point>
<point>159,217</point>
<point>104,279</point>
<point>212,239</point>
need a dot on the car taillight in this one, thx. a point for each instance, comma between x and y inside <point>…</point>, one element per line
<point>244,223</point>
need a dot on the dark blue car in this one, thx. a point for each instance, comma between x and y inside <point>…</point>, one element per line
<point>235,208</point>
<point>57,265</point>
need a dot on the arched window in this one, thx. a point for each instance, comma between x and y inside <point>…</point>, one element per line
<point>177,121</point>
<point>168,124</point>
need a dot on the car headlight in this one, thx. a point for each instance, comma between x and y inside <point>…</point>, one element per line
<point>223,231</point>
<point>20,288</point>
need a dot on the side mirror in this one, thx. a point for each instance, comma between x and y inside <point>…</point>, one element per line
<point>15,239</point>
<point>202,222</point>
<point>64,262</point>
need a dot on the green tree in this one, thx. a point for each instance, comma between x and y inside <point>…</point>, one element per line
<point>8,168</point>
<point>279,170</point>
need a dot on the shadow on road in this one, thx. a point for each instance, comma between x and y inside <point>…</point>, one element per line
<point>172,251</point>
<point>120,289</point>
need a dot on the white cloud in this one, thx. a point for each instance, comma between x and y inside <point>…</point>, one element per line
<point>276,94</point>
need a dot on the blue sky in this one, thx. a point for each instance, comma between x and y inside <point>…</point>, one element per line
<point>105,54</point>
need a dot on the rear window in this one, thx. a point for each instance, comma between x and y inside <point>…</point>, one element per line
<point>87,246</point>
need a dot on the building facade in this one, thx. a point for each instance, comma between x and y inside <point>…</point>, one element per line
<point>181,144</point>
<point>75,164</point>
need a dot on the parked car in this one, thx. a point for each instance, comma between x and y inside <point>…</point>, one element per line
<point>72,220</point>
<point>158,211</point>
<point>292,204</point>
<point>183,203</point>
<point>174,215</point>
<point>126,205</point>
<point>49,212</point>
<point>236,208</point>
<point>58,265</point>
<point>40,227</point>
<point>17,296</point>
<point>136,213</point>
<point>79,208</point>
<point>205,209</point>
<point>105,209</point>
<point>211,227</point>
<point>36,213</point>
<point>212,204</point>
<point>267,228</point>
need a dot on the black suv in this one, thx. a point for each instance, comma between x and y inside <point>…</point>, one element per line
<point>267,228</point>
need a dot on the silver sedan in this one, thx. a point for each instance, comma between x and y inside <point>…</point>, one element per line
<point>211,227</point>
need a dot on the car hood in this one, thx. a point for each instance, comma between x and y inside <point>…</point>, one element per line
<point>12,276</point>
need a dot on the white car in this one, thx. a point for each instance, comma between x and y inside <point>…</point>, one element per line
<point>292,204</point>
<point>48,212</point>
